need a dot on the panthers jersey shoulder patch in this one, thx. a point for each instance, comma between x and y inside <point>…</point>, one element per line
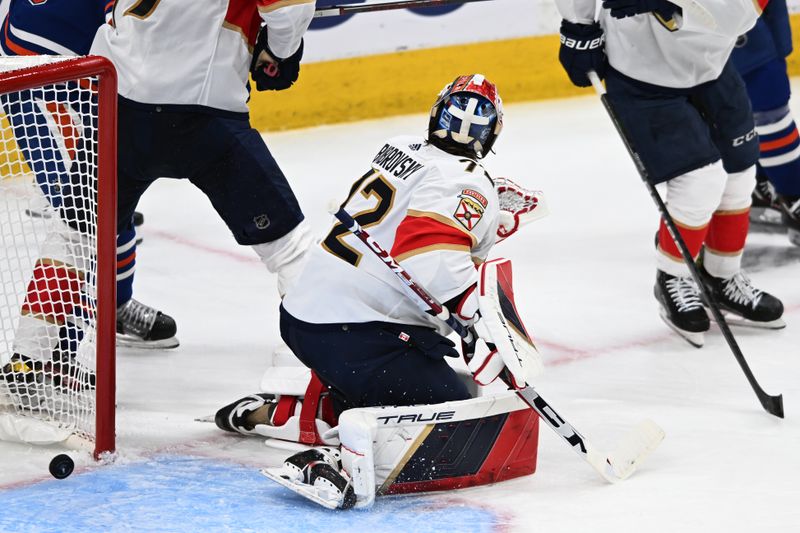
<point>471,208</point>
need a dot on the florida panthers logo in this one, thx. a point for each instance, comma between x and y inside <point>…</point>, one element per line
<point>471,208</point>
<point>37,2</point>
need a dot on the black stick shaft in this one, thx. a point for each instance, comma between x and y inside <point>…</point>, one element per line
<point>350,9</point>
<point>426,298</point>
<point>772,404</point>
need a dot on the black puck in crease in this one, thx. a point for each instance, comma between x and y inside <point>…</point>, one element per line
<point>61,466</point>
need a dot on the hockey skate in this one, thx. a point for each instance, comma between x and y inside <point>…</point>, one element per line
<point>765,211</point>
<point>681,307</point>
<point>25,380</point>
<point>742,304</point>
<point>790,206</point>
<point>243,415</point>
<point>141,326</point>
<point>317,475</point>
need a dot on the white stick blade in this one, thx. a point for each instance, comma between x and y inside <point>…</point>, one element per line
<point>635,447</point>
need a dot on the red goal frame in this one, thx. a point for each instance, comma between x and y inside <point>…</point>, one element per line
<point>69,70</point>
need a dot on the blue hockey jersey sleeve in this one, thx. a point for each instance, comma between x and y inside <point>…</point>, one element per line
<point>61,27</point>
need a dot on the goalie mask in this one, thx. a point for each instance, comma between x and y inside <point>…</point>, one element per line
<point>467,117</point>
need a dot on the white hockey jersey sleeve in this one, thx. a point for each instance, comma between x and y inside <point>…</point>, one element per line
<point>287,21</point>
<point>732,17</point>
<point>450,225</point>
<point>680,53</point>
<point>578,11</point>
<point>196,52</point>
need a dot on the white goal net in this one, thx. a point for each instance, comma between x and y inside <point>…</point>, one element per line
<point>51,264</point>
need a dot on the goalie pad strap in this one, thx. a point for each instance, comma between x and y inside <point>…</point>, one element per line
<point>283,410</point>
<point>305,424</point>
<point>308,414</point>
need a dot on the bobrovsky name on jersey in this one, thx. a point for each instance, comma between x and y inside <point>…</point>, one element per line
<point>396,162</point>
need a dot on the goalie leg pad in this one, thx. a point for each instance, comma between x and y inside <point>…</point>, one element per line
<point>501,328</point>
<point>394,450</point>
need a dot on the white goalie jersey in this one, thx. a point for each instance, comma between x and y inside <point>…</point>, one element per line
<point>681,52</point>
<point>207,63</point>
<point>437,214</point>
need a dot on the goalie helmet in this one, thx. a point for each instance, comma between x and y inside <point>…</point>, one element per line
<point>467,117</point>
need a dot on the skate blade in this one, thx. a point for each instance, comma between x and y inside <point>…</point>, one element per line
<point>306,491</point>
<point>38,214</point>
<point>794,237</point>
<point>766,216</point>
<point>736,320</point>
<point>129,341</point>
<point>696,339</point>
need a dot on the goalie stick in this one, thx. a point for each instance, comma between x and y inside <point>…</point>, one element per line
<point>772,404</point>
<point>614,467</point>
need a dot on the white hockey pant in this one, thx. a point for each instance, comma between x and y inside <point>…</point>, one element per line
<point>286,256</point>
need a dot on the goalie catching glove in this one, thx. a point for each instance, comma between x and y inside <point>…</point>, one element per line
<point>518,206</point>
<point>503,343</point>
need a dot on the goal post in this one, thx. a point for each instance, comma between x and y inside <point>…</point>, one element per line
<point>58,250</point>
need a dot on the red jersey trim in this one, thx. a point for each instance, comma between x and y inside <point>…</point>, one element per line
<point>419,234</point>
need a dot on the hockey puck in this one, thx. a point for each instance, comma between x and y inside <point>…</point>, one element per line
<point>61,466</point>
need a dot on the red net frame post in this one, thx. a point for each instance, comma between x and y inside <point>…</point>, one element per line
<point>61,72</point>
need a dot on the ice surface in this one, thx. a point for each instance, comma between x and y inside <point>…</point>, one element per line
<point>584,278</point>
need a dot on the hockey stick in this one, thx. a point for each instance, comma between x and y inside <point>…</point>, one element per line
<point>349,9</point>
<point>703,16</point>
<point>772,404</point>
<point>615,467</point>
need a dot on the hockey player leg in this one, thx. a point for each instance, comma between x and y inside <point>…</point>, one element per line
<point>286,255</point>
<point>742,303</point>
<point>790,215</point>
<point>51,327</point>
<point>292,412</point>
<point>765,212</point>
<point>691,199</point>
<point>138,325</point>
<point>390,450</point>
<point>769,90</point>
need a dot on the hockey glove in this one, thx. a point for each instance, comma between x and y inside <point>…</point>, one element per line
<point>275,76</point>
<point>518,206</point>
<point>628,8</point>
<point>582,49</point>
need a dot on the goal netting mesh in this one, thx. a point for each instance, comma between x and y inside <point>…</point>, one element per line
<point>48,252</point>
